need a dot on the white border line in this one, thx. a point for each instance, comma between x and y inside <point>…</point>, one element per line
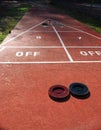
<point>43,47</point>
<point>51,62</point>
<point>53,31</point>
<point>62,43</point>
<point>78,47</point>
<point>83,32</point>
<point>39,47</point>
<point>4,43</point>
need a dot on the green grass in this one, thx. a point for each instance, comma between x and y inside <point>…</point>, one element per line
<point>87,20</point>
<point>10,18</point>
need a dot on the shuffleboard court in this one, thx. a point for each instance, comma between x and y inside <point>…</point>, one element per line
<point>45,49</point>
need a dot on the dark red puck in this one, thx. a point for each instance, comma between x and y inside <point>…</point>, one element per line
<point>59,92</point>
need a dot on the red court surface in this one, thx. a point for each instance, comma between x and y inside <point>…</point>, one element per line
<point>35,57</point>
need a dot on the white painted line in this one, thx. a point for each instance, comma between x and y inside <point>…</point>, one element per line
<point>2,48</point>
<point>62,43</point>
<point>68,31</point>
<point>37,62</point>
<point>23,33</point>
<point>46,47</point>
<point>77,47</point>
<point>40,47</point>
<point>83,32</point>
<point>87,61</point>
<point>34,31</point>
<point>51,62</point>
<point>53,31</point>
<point>91,35</point>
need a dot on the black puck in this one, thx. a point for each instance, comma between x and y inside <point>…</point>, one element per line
<point>59,93</point>
<point>44,24</point>
<point>79,90</point>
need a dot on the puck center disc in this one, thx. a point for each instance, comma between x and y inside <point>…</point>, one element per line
<point>58,90</point>
<point>79,88</point>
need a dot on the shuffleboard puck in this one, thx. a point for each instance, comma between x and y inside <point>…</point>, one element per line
<point>79,90</point>
<point>44,24</point>
<point>59,93</point>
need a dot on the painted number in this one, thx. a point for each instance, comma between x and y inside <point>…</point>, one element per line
<point>38,37</point>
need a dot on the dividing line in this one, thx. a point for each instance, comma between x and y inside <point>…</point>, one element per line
<point>39,47</point>
<point>53,31</point>
<point>62,43</point>
<point>83,32</point>
<point>51,62</point>
<point>49,47</point>
<point>82,47</point>
<point>22,33</point>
